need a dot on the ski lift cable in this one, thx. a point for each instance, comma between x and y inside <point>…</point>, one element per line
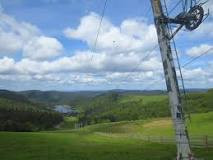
<point>98,32</point>
<point>138,64</point>
<point>99,26</point>
<point>195,58</point>
<point>148,11</point>
<point>143,58</point>
<point>177,4</point>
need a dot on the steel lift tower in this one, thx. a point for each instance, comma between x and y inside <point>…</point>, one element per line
<point>191,19</point>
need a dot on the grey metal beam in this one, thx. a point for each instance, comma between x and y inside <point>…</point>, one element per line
<point>181,134</point>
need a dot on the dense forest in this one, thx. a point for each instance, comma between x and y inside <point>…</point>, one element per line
<point>19,114</point>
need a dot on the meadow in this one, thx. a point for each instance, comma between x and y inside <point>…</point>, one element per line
<point>107,141</point>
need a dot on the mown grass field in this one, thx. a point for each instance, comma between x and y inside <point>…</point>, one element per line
<point>88,144</point>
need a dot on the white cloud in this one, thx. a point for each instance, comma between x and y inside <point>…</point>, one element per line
<point>192,73</point>
<point>67,71</point>
<point>132,34</point>
<point>204,30</point>
<point>84,62</point>
<point>24,37</point>
<point>209,5</point>
<point>199,77</point>
<point>119,57</point>
<point>9,42</point>
<point>42,48</point>
<point>121,50</point>
<point>13,35</point>
<point>6,65</point>
<point>199,50</point>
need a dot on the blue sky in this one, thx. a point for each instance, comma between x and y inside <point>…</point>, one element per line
<point>49,45</point>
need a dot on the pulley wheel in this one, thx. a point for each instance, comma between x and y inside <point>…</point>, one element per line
<point>194,17</point>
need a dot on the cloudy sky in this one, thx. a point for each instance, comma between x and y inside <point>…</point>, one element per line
<point>51,45</point>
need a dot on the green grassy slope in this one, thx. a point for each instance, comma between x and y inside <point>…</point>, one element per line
<point>81,146</point>
<point>88,144</point>
<point>113,141</point>
<point>201,124</point>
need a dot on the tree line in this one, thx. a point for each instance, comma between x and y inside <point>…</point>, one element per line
<point>110,108</point>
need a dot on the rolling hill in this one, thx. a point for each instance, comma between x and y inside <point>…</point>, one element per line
<point>114,141</point>
<point>106,106</point>
<point>17,113</point>
<point>113,106</point>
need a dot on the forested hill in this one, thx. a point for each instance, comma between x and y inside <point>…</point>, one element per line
<point>17,113</point>
<point>111,107</point>
<point>58,97</point>
<point>52,98</point>
<point>76,97</point>
<point>30,110</point>
<point>13,96</point>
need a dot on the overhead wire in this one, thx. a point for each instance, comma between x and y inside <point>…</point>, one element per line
<point>133,50</point>
<point>175,48</point>
<point>187,63</point>
<point>175,6</point>
<point>138,64</point>
<point>98,32</point>
<point>148,11</point>
<point>183,4</point>
<point>195,58</point>
<point>169,12</point>
<point>150,52</point>
<point>154,82</point>
<point>143,58</point>
<point>99,26</point>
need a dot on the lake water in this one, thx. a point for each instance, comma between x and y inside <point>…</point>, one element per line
<point>64,109</point>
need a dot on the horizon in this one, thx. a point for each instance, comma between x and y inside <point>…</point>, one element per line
<point>107,90</point>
